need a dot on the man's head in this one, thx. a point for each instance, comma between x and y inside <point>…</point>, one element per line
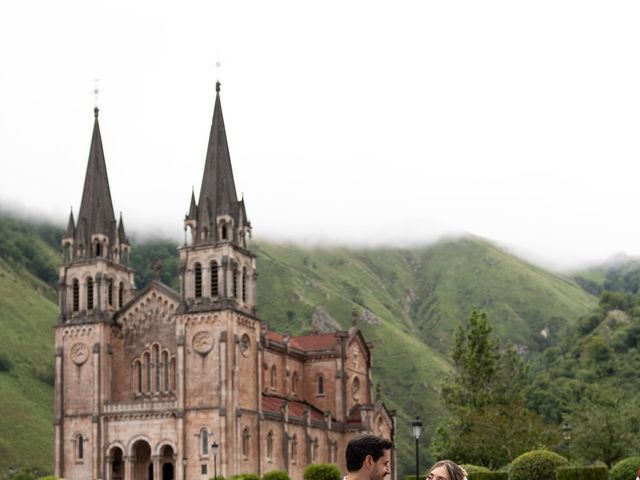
<point>370,455</point>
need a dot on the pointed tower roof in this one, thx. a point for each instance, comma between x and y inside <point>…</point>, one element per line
<point>96,210</point>
<point>122,236</point>
<point>71,227</point>
<point>218,191</point>
<point>193,209</point>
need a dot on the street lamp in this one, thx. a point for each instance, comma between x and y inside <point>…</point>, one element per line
<point>417,428</point>
<point>214,449</point>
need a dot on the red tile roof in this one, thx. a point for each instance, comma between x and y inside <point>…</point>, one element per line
<point>320,341</point>
<point>317,341</point>
<point>273,404</point>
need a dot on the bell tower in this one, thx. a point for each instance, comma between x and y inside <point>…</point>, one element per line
<point>95,279</point>
<point>218,270</point>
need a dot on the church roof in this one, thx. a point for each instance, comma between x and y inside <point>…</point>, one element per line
<point>96,210</point>
<point>274,404</point>
<point>71,227</point>
<point>313,342</point>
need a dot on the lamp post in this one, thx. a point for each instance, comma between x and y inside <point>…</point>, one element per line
<point>417,428</point>
<point>214,450</point>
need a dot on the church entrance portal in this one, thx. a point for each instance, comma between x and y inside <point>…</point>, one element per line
<point>142,467</point>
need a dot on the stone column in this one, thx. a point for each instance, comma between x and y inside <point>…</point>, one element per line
<point>180,379</point>
<point>58,426</point>
<point>128,467</point>
<point>157,475</point>
<point>225,276</point>
<point>107,467</point>
<point>95,444</point>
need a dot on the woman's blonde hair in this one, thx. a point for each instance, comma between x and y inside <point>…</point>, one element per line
<point>454,471</point>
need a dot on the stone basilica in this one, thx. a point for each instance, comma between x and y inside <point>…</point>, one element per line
<point>148,381</point>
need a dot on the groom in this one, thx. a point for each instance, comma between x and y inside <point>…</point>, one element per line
<point>368,458</point>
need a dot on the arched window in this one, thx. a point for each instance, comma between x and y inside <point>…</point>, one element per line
<point>205,233</point>
<point>66,252</point>
<point>314,450</point>
<point>98,249</point>
<point>138,373</point>
<point>173,373</point>
<point>294,449</point>
<point>235,281</point>
<point>320,385</point>
<point>121,295</point>
<point>273,377</point>
<point>204,442</point>
<point>269,446</point>
<point>244,284</point>
<point>165,367</point>
<point>147,366</point>
<point>294,382</point>
<point>76,295</point>
<point>214,279</point>
<point>224,231</point>
<point>198,279</point>
<point>89,293</point>
<point>156,360</point>
<point>110,292</point>
<point>245,442</point>
<point>80,446</point>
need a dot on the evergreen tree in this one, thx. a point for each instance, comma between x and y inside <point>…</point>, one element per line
<point>487,422</point>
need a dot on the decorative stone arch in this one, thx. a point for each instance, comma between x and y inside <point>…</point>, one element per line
<point>163,443</point>
<point>133,441</point>
<point>225,226</point>
<point>115,444</point>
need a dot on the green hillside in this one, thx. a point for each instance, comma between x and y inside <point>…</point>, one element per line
<point>408,302</point>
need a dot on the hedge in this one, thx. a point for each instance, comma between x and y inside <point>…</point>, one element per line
<point>478,475</point>
<point>322,471</point>
<point>596,472</point>
<point>626,469</point>
<point>219,477</point>
<point>536,465</point>
<point>276,475</point>
<point>471,469</point>
<point>245,476</point>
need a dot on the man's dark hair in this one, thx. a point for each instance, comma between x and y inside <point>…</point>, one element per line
<point>359,447</point>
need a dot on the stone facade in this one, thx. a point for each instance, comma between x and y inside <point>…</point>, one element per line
<point>147,381</point>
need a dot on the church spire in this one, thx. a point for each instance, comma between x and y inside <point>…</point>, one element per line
<point>71,227</point>
<point>96,215</point>
<point>219,215</point>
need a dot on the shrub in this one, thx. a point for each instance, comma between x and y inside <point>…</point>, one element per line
<point>219,477</point>
<point>245,476</point>
<point>536,465</point>
<point>5,363</point>
<point>625,469</point>
<point>322,471</point>
<point>489,475</point>
<point>598,472</point>
<point>473,469</point>
<point>276,475</point>
<point>49,477</point>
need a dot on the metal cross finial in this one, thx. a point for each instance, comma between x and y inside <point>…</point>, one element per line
<point>96,90</point>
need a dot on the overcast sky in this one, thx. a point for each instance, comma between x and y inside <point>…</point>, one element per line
<point>348,122</point>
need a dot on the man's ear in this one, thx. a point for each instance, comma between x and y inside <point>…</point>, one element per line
<point>368,461</point>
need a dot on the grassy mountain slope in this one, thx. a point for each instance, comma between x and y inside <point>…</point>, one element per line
<point>27,316</point>
<point>413,300</point>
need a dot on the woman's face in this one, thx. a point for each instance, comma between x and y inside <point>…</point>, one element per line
<point>438,473</point>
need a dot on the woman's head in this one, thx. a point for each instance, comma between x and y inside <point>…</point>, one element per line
<point>446,470</point>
